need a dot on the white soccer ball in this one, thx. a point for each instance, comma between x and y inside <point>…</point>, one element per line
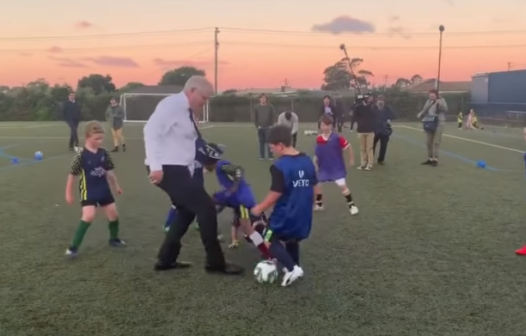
<point>266,272</point>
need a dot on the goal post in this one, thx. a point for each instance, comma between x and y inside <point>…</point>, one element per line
<point>138,107</point>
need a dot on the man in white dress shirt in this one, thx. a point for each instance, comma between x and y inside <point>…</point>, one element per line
<point>172,142</point>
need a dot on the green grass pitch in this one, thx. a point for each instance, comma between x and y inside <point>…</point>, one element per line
<point>431,252</point>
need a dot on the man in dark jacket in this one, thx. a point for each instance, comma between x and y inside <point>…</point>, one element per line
<point>365,117</point>
<point>71,111</point>
<point>265,116</point>
<point>383,132</point>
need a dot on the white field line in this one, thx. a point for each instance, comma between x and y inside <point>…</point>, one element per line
<point>467,140</point>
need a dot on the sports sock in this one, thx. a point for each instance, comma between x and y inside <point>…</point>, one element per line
<point>114,229</point>
<point>294,251</point>
<point>170,218</point>
<point>279,252</point>
<point>79,234</point>
<point>319,200</point>
<point>258,241</point>
<point>348,198</point>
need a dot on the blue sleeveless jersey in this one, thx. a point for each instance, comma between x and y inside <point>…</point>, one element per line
<point>292,214</point>
<point>243,195</point>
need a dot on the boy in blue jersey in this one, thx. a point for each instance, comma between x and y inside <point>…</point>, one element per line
<point>330,162</point>
<point>291,193</point>
<point>94,166</point>
<point>236,194</point>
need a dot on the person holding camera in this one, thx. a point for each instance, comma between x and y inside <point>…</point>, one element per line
<point>383,132</point>
<point>433,118</point>
<point>365,117</point>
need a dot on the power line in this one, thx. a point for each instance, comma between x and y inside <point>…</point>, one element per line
<point>361,47</point>
<point>133,34</point>
<point>255,31</point>
<point>125,47</point>
<point>261,44</point>
<point>388,34</point>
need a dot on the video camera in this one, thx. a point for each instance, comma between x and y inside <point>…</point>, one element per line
<point>362,98</point>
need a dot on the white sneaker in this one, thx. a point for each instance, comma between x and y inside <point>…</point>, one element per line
<point>353,210</point>
<point>360,168</point>
<point>318,208</point>
<point>368,168</point>
<point>290,277</point>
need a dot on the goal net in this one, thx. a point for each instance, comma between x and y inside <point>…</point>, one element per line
<point>140,106</point>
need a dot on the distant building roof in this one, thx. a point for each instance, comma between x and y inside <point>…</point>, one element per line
<point>430,84</point>
<point>157,89</point>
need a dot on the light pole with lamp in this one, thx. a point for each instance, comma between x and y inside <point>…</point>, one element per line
<point>441,30</point>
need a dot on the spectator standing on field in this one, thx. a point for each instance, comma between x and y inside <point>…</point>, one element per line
<point>383,132</point>
<point>264,117</point>
<point>434,107</point>
<point>72,114</point>
<point>115,117</point>
<point>329,108</point>
<point>365,117</point>
<point>290,119</point>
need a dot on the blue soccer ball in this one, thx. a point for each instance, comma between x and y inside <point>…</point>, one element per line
<point>39,155</point>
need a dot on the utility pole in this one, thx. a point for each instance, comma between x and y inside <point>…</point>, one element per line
<point>216,57</point>
<point>386,78</point>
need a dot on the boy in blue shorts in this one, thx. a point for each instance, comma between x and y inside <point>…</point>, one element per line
<point>291,194</point>
<point>94,166</point>
<point>236,194</point>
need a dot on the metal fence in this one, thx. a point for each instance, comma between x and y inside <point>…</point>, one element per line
<point>501,114</point>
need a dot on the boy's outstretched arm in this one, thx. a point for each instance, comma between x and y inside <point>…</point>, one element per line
<point>277,188</point>
<point>110,174</point>
<point>345,145</point>
<point>74,170</point>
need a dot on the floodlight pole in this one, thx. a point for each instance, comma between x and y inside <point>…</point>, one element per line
<point>441,30</point>
<point>216,57</point>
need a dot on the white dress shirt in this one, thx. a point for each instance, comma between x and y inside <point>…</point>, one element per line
<point>170,135</point>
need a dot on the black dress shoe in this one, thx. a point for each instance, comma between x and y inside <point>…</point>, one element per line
<point>160,266</point>
<point>228,268</point>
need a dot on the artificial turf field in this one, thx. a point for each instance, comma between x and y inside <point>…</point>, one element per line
<point>431,252</point>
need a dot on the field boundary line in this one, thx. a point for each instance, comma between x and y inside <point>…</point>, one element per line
<point>467,140</point>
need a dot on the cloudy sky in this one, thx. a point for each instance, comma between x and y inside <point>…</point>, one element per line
<point>262,43</point>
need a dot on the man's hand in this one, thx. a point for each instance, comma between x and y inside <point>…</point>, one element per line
<point>257,210</point>
<point>419,115</point>
<point>156,176</point>
<point>233,245</point>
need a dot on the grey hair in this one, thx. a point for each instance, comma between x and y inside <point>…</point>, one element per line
<point>200,83</point>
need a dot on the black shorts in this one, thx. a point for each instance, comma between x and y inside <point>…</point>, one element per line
<point>101,202</point>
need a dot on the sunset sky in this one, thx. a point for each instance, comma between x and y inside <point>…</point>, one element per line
<point>262,43</point>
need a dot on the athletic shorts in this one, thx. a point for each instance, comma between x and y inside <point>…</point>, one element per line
<point>244,213</point>
<point>101,202</point>
<point>269,236</point>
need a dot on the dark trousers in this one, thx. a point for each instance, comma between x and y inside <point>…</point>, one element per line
<point>263,143</point>
<point>352,123</point>
<point>190,198</point>
<point>73,133</point>
<point>338,121</point>
<point>384,140</point>
<point>294,139</point>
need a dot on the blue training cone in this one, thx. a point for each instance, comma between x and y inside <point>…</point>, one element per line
<point>15,161</point>
<point>481,164</point>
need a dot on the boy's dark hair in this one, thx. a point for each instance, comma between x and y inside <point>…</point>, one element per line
<point>288,115</point>
<point>279,134</point>
<point>328,97</point>
<point>326,120</point>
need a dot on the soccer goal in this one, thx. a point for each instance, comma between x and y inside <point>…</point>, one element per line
<point>138,107</point>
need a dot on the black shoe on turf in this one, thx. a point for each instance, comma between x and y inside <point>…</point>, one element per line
<point>116,149</point>
<point>381,163</point>
<point>124,148</point>
<point>228,268</point>
<point>160,266</point>
<point>428,162</point>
